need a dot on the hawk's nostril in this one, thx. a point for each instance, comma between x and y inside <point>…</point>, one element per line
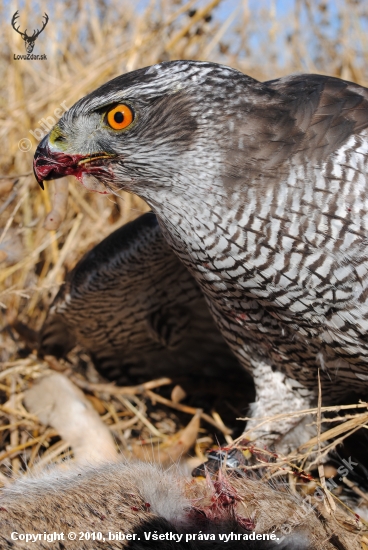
<point>59,139</point>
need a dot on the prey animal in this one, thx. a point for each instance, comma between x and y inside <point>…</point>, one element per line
<point>141,506</point>
<point>260,188</point>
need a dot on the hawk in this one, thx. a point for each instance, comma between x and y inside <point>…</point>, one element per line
<point>134,307</point>
<point>260,188</point>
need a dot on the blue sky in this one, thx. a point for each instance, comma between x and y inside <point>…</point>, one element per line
<point>258,37</point>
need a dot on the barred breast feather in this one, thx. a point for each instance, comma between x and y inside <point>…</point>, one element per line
<point>130,303</point>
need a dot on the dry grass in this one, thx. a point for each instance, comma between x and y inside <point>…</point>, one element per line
<point>86,46</point>
<point>85,51</point>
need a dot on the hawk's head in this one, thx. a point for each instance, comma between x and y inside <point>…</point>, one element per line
<point>146,127</point>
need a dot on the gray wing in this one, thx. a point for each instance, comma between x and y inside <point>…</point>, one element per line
<point>131,303</point>
<point>324,112</point>
<point>299,162</point>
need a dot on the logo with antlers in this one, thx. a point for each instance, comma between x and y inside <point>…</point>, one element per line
<point>29,41</point>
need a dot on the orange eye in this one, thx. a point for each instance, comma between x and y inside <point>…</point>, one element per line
<point>120,117</point>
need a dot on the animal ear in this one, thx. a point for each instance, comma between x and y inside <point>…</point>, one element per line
<point>168,327</point>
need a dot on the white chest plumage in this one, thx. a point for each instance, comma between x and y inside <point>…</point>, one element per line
<point>288,259</point>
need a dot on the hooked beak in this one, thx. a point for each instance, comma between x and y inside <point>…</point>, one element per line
<point>49,163</point>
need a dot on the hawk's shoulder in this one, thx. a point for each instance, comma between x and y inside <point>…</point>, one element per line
<point>327,111</point>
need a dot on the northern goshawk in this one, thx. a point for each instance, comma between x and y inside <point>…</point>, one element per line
<point>136,309</point>
<point>261,190</point>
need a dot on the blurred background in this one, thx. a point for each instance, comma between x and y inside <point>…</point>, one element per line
<point>86,44</point>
